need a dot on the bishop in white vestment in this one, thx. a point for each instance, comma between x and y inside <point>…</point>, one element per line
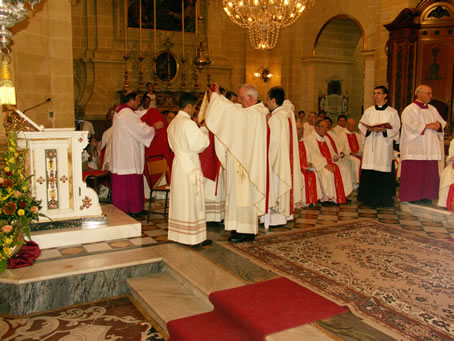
<point>187,224</point>
<point>242,131</point>
<point>284,159</point>
<point>420,149</point>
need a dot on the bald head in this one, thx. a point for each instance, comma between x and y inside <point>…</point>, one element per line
<point>423,93</point>
<point>299,129</point>
<point>351,125</point>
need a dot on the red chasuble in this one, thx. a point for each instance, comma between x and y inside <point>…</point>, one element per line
<point>340,193</point>
<point>292,208</point>
<point>309,177</point>
<point>159,144</point>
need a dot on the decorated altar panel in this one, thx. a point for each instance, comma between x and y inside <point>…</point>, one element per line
<point>55,160</point>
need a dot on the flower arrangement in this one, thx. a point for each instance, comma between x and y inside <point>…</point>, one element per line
<point>17,205</point>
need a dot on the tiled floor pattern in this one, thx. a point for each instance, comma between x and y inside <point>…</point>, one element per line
<point>156,231</point>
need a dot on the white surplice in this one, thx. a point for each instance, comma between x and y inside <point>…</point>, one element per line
<point>324,175</point>
<point>242,133</point>
<point>187,224</point>
<point>354,163</point>
<point>308,129</point>
<point>279,153</point>
<point>130,136</point>
<point>378,148</point>
<point>447,177</point>
<point>214,200</point>
<point>106,142</point>
<point>416,142</point>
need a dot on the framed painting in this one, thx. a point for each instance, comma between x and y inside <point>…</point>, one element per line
<point>166,67</point>
<point>168,13</point>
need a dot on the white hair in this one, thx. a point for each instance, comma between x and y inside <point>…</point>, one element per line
<point>420,89</point>
<point>251,90</point>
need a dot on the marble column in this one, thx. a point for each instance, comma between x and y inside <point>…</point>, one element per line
<point>369,77</point>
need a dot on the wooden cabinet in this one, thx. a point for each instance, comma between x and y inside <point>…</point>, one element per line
<point>421,51</point>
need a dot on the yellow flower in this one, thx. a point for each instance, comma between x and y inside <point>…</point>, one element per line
<point>21,176</point>
<point>11,160</point>
<point>16,154</point>
<point>11,149</point>
<point>6,169</point>
<point>20,212</point>
<point>24,188</point>
<point>13,143</point>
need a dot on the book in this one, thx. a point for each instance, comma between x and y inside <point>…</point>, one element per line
<point>377,125</point>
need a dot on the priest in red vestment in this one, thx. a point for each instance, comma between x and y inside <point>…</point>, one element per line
<point>159,145</point>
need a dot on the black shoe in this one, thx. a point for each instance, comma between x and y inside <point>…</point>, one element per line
<point>138,214</point>
<point>426,201</point>
<point>241,237</point>
<point>328,203</point>
<point>204,243</point>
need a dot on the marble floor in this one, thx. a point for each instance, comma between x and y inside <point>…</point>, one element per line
<point>155,233</point>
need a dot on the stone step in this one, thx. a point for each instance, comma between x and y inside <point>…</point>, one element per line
<point>165,299</point>
<point>182,289</point>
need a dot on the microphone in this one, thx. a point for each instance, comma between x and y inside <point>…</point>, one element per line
<point>37,105</point>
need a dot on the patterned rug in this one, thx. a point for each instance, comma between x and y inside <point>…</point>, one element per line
<point>111,319</point>
<point>398,281</point>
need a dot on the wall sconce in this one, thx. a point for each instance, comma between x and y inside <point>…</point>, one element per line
<point>263,73</point>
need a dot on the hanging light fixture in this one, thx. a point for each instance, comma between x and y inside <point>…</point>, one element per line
<point>264,18</point>
<point>11,13</point>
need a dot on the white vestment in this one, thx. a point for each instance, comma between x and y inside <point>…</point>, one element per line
<point>378,148</point>
<point>286,180</point>
<point>354,163</point>
<point>308,129</point>
<point>214,201</point>
<point>338,130</point>
<point>129,137</point>
<point>326,177</point>
<point>241,134</point>
<point>416,142</point>
<point>187,223</point>
<point>106,142</point>
<point>447,177</point>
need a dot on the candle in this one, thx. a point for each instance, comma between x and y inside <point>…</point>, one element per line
<point>140,27</point>
<point>182,24</point>
<point>126,26</point>
<point>154,23</point>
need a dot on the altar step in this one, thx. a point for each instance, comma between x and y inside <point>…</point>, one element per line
<point>429,212</point>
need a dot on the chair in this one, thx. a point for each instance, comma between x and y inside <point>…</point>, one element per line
<point>158,167</point>
<point>95,179</point>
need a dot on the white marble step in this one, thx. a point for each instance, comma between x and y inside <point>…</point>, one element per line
<point>165,299</point>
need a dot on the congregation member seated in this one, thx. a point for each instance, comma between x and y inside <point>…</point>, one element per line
<point>446,194</point>
<point>335,178</point>
<point>341,124</point>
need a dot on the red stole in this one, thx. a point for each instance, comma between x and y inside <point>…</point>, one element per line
<point>309,177</point>
<point>450,199</point>
<point>159,144</point>
<point>333,144</point>
<point>292,208</point>
<point>354,147</point>
<point>209,161</point>
<point>267,194</point>
<point>340,193</point>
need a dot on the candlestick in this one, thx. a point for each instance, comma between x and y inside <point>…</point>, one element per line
<point>182,24</point>
<point>126,26</point>
<point>140,27</point>
<point>154,24</point>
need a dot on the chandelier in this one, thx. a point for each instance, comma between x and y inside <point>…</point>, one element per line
<point>264,18</point>
<point>11,13</point>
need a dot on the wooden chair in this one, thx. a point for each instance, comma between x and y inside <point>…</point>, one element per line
<point>158,167</point>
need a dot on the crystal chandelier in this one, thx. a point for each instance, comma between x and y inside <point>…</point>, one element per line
<point>264,18</point>
<point>11,13</point>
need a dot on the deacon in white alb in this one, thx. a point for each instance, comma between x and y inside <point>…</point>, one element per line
<point>446,194</point>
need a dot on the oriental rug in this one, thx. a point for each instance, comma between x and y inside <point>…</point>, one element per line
<point>111,319</point>
<point>397,281</point>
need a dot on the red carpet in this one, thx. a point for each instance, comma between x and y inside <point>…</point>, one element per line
<point>254,311</point>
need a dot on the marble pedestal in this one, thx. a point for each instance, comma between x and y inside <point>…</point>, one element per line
<point>437,214</point>
<point>119,226</point>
